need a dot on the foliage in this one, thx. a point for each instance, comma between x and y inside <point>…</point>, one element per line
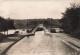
<point>10,24</point>
<point>71,19</point>
<point>6,24</point>
<point>3,24</point>
<point>32,23</point>
<point>46,22</point>
<point>20,24</point>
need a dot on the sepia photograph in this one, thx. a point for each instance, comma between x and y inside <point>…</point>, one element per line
<point>39,27</point>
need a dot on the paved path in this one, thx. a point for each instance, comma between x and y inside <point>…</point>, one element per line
<point>42,44</point>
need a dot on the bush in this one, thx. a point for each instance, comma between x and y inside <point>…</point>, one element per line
<point>76,34</point>
<point>2,37</point>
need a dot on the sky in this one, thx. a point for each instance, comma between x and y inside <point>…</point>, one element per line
<point>28,9</point>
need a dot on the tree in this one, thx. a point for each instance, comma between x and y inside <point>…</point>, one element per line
<point>6,24</point>
<point>9,24</point>
<point>71,19</point>
<point>3,25</point>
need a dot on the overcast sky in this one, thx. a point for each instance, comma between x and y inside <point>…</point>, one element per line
<point>23,9</point>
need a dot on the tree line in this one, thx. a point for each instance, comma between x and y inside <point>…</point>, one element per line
<point>70,21</point>
<point>32,23</point>
<point>48,23</point>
